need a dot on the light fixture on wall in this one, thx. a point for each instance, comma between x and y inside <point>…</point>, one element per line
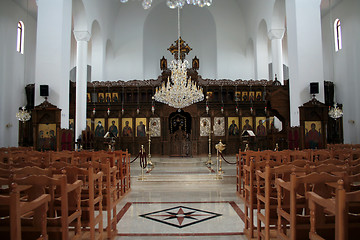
<point>23,115</point>
<point>176,3</point>
<point>335,112</point>
<point>180,92</point>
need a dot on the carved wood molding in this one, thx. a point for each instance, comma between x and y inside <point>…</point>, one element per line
<point>200,80</point>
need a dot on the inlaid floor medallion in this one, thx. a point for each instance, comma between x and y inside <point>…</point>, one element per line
<point>180,216</point>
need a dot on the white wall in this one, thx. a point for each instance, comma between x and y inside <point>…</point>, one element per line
<point>343,67</point>
<point>13,67</point>
<point>198,30</point>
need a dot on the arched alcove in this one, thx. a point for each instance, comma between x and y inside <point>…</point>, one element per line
<point>250,57</point>
<point>262,55</point>
<point>97,53</point>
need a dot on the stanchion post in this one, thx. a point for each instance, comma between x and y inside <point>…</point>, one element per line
<point>209,162</point>
<point>149,155</point>
<point>219,147</point>
<point>142,169</point>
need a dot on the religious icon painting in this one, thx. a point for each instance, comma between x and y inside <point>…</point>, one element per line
<point>238,96</point>
<point>260,126</point>
<point>115,97</point>
<point>99,125</point>
<point>140,127</point>
<point>108,97</point>
<point>246,123</point>
<point>154,126</point>
<point>88,97</point>
<point>258,96</point>
<point>71,124</point>
<point>271,123</point>
<point>219,126</point>
<point>313,135</point>
<point>245,96</point>
<point>47,130</point>
<point>251,96</point>
<point>209,95</point>
<point>233,126</point>
<point>88,124</point>
<point>127,127</point>
<point>101,97</point>
<point>47,136</point>
<point>205,123</point>
<point>113,127</point>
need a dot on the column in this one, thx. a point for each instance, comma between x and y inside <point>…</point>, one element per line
<point>276,36</point>
<point>53,46</point>
<point>305,53</point>
<point>82,38</point>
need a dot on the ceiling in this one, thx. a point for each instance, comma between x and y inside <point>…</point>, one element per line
<point>31,7</point>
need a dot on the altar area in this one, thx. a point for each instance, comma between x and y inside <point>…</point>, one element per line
<point>184,169</point>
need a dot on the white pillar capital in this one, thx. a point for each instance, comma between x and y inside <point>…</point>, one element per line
<point>82,36</point>
<point>276,34</point>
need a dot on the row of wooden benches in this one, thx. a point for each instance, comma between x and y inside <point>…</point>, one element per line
<point>76,189</point>
<point>275,186</point>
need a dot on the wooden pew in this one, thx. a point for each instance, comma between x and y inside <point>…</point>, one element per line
<point>91,198</point>
<point>291,213</point>
<point>267,195</point>
<point>64,205</point>
<point>346,223</point>
<point>12,209</point>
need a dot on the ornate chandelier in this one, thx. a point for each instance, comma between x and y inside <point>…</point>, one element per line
<point>179,92</point>
<point>23,115</point>
<point>335,112</point>
<point>176,3</point>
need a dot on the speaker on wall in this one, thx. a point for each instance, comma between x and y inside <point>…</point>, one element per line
<point>314,88</point>
<point>44,90</point>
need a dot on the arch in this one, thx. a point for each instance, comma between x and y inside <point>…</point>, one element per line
<point>262,52</point>
<point>97,52</point>
<point>79,16</point>
<point>250,56</point>
<point>278,16</point>
<point>108,58</point>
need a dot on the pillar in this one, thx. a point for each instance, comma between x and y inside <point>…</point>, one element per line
<point>305,53</point>
<point>53,46</point>
<point>276,36</point>
<point>82,38</point>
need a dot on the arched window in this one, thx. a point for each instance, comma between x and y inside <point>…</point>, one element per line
<point>337,35</point>
<point>20,37</point>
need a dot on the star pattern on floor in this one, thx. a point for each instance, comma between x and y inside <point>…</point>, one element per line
<point>180,216</point>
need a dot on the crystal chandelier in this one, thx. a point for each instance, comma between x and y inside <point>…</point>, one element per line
<point>176,3</point>
<point>23,115</point>
<point>335,112</point>
<point>179,92</point>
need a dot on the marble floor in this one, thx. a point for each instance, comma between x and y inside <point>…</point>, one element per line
<point>180,198</point>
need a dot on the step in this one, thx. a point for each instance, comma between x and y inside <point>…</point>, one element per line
<point>178,177</point>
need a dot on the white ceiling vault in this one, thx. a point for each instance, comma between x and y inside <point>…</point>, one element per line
<point>31,7</point>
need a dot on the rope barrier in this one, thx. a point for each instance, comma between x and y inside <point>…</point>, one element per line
<point>136,157</point>
<point>143,160</point>
<point>225,159</point>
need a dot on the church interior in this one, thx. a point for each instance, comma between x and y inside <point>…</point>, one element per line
<point>179,119</point>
